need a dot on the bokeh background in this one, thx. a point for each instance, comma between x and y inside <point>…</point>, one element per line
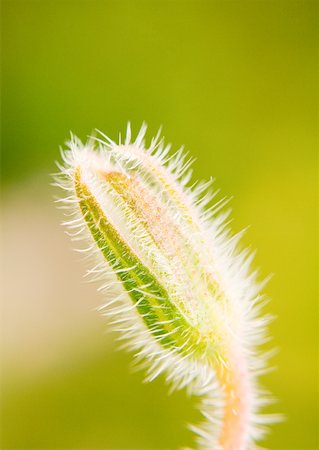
<point>237,83</point>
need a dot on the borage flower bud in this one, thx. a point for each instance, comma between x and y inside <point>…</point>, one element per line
<point>181,295</point>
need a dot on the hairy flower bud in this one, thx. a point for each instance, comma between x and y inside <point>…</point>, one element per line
<point>181,295</point>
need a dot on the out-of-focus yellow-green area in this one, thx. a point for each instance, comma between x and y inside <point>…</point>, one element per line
<point>237,83</point>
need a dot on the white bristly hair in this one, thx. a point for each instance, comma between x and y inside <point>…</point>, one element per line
<point>178,291</point>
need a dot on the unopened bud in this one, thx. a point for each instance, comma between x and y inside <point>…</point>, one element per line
<point>185,300</point>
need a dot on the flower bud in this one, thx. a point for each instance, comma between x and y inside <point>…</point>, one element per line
<point>180,293</point>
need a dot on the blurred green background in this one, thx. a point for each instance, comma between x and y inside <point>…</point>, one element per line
<point>237,83</point>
